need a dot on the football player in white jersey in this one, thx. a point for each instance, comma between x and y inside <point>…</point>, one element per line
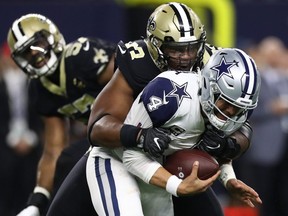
<point>182,104</point>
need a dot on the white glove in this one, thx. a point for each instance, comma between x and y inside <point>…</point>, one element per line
<point>30,211</point>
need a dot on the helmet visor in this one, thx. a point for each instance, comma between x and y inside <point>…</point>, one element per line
<point>34,52</point>
<point>181,55</point>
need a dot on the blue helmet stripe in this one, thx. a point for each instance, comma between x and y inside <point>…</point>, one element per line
<point>255,75</point>
<point>251,77</point>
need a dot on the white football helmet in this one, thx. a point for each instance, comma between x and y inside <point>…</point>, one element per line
<point>174,28</point>
<point>231,75</point>
<point>35,33</point>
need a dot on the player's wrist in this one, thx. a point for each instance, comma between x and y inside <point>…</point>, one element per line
<point>173,184</point>
<point>39,198</point>
<point>44,191</point>
<point>129,135</point>
<point>227,173</point>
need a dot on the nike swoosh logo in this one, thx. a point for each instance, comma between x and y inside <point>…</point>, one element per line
<point>156,142</point>
<point>216,147</point>
<point>86,48</point>
<point>164,98</point>
<point>121,50</point>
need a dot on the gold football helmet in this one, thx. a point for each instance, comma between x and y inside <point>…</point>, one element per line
<point>175,37</point>
<point>36,44</point>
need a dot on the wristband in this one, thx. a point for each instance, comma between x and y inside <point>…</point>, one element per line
<point>39,198</point>
<point>42,190</point>
<point>227,173</point>
<point>173,184</point>
<point>128,135</point>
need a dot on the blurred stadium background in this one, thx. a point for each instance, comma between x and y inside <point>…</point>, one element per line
<point>228,22</point>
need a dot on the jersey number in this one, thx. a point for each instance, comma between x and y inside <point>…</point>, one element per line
<point>137,52</point>
<point>81,105</point>
<point>155,103</point>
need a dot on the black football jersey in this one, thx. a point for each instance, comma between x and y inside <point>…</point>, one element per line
<point>72,88</point>
<point>137,65</point>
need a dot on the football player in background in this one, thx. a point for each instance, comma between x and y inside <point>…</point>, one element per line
<point>64,81</point>
<point>176,39</point>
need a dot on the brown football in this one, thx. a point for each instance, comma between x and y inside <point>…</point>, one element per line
<point>180,163</point>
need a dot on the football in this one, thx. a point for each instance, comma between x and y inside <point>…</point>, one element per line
<point>180,163</point>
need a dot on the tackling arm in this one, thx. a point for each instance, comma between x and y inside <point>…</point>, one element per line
<point>226,148</point>
<point>109,111</point>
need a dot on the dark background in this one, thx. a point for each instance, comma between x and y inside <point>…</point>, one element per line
<point>113,21</point>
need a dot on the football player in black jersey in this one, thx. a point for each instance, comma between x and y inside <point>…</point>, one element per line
<point>176,39</point>
<point>64,81</point>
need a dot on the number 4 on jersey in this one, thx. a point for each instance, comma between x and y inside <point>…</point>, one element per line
<point>156,102</point>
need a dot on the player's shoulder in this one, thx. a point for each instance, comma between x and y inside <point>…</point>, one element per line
<point>86,46</point>
<point>210,48</point>
<point>87,43</point>
<point>88,53</point>
<point>133,50</point>
<point>169,80</point>
<point>208,52</point>
<point>134,61</point>
<point>178,76</point>
<point>163,96</point>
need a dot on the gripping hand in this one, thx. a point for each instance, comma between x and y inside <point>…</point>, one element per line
<point>154,140</point>
<point>217,144</point>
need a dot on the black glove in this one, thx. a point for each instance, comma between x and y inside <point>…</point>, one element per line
<point>216,144</point>
<point>154,140</point>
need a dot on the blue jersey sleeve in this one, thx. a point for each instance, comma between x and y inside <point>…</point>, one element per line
<point>159,105</point>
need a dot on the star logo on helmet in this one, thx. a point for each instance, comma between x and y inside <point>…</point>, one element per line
<point>179,91</point>
<point>224,68</point>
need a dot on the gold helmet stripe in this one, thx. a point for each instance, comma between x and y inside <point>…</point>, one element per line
<point>185,22</point>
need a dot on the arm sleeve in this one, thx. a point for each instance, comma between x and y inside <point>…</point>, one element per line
<point>136,161</point>
<point>146,113</point>
<point>140,164</point>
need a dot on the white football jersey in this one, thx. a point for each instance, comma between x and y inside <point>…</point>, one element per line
<point>170,101</point>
